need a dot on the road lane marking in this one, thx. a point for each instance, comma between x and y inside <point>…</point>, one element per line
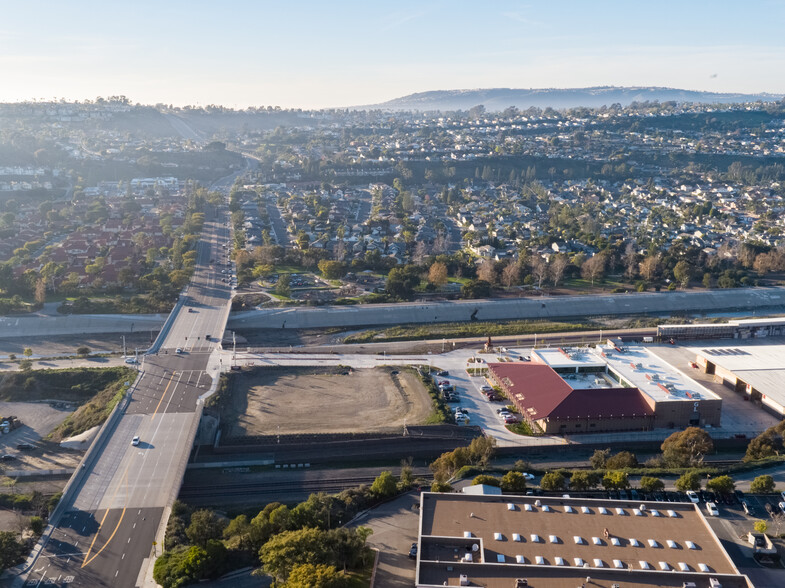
<point>164,394</point>
<point>101,524</point>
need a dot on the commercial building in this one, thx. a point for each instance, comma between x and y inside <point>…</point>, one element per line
<point>612,388</point>
<point>757,371</point>
<point>511,541</point>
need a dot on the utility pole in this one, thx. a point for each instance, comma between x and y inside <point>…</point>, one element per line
<point>234,348</point>
<point>123,345</point>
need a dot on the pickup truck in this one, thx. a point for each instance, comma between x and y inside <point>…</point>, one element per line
<point>761,543</point>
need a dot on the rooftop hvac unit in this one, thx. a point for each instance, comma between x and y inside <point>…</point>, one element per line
<point>464,580</point>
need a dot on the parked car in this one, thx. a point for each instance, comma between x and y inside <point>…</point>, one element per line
<point>747,508</point>
<point>443,373</point>
<point>693,496</point>
<point>711,508</point>
<point>510,419</point>
<point>8,457</point>
<point>25,446</point>
<point>178,350</point>
<point>413,551</point>
<point>528,477</point>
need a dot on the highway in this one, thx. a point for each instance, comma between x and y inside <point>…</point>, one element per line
<point>106,532</point>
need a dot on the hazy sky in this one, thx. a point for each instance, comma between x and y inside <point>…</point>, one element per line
<point>341,53</point>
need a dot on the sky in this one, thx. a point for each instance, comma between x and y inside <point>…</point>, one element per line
<point>332,53</point>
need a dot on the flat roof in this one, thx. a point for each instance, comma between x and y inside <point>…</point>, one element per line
<point>653,376</point>
<point>538,538</point>
<point>568,357</point>
<point>760,366</point>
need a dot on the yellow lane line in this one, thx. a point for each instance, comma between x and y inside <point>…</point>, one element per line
<point>87,558</point>
<point>101,524</point>
<point>164,394</point>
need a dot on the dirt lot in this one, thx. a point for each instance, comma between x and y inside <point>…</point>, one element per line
<point>38,419</point>
<point>322,400</point>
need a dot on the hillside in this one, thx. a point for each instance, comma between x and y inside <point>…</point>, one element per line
<point>496,99</point>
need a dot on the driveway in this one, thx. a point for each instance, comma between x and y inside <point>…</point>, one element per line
<point>395,527</point>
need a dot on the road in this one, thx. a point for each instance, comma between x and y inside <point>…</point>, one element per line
<point>108,526</point>
<point>278,225</point>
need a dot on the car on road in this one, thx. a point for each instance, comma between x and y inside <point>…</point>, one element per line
<point>191,310</point>
<point>711,508</point>
<point>135,441</point>
<point>25,446</point>
<point>8,457</point>
<point>413,551</point>
<point>691,494</point>
<point>131,360</point>
<point>443,373</point>
<point>207,337</point>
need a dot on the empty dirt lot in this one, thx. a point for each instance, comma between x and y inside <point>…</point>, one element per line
<point>272,401</point>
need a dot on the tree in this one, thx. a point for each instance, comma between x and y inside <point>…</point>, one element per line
<point>437,274</point>
<point>650,484</point>
<point>650,268</point>
<point>553,482</point>
<point>486,480</point>
<point>721,484</point>
<point>513,481</point>
<point>25,365</point>
<point>689,480</point>
<point>487,271</point>
<point>539,270</point>
<point>511,274</point>
<point>476,289</point>
<point>10,550</point>
<point>282,286</point>
<point>83,351</point>
<point>27,352</point>
<point>686,447</point>
<point>401,282</point>
<point>762,485</point>
<point>205,525</point>
<point>682,271</point>
<point>760,526</point>
<point>284,551</point>
<point>36,524</point>
<point>615,480</point>
<point>332,270</point>
<point>557,268</point>
<point>481,450</point>
<point>599,458</point>
<point>593,268</point>
<point>581,480</point>
<point>440,487</point>
<point>623,459</point>
<point>384,485</point>
<point>310,575</point>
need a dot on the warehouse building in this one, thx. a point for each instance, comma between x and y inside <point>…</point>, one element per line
<point>516,541</point>
<point>612,388</point>
<point>735,329</point>
<point>756,371</point>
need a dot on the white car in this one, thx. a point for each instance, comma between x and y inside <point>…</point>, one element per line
<point>528,477</point>
<point>131,360</point>
<point>135,441</point>
<point>711,508</point>
<point>782,506</point>
<point>693,496</point>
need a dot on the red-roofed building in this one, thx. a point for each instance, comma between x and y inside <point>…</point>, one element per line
<point>548,402</point>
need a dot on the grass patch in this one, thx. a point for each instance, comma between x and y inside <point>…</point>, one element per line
<point>97,390</point>
<point>467,329</point>
<point>441,411</point>
<point>360,578</point>
<point>521,428</point>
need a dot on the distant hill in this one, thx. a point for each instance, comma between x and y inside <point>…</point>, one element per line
<point>496,99</point>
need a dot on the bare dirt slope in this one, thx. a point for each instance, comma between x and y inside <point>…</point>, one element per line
<point>324,400</point>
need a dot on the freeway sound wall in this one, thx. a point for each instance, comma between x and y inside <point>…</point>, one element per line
<point>544,307</point>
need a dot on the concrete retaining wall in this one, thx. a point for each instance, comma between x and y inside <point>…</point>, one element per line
<point>558,307</point>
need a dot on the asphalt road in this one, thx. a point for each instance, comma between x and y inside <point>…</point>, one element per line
<point>109,526</point>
